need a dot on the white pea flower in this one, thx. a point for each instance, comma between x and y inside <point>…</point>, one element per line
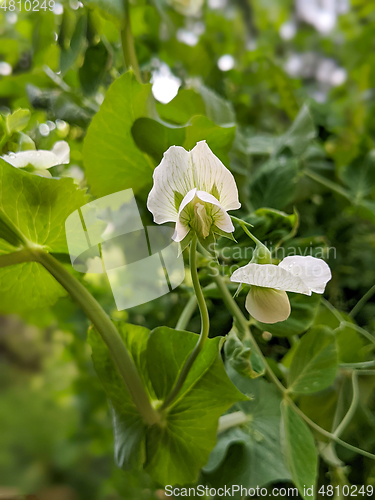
<point>40,160</point>
<point>187,7</point>
<point>267,300</point>
<point>194,190</point>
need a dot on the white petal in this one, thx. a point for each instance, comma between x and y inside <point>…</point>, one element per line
<point>181,171</point>
<point>182,228</point>
<point>62,152</point>
<point>213,177</point>
<point>220,217</point>
<point>270,276</point>
<point>41,159</point>
<point>268,305</point>
<point>173,177</point>
<point>314,272</point>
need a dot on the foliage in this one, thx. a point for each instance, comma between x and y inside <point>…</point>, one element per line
<point>302,153</point>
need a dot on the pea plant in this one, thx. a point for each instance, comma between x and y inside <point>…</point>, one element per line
<point>277,386</point>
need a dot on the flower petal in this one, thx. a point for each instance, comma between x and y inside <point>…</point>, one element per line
<point>173,179</point>
<point>40,159</point>
<point>62,152</point>
<point>267,304</point>
<point>314,272</point>
<point>219,215</point>
<point>213,177</point>
<point>270,276</point>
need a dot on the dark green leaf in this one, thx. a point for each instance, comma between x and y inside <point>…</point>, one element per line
<point>274,183</point>
<point>93,69</point>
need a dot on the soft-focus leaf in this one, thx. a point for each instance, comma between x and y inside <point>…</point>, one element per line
<point>93,69</point>
<point>273,184</point>
<point>17,121</point>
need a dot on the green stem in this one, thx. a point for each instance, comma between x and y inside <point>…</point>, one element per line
<point>367,296</point>
<point>244,225</point>
<point>352,409</point>
<point>119,353</point>
<point>127,41</point>
<point>328,184</point>
<point>354,366</point>
<point>205,326</point>
<point>11,259</point>
<point>187,313</point>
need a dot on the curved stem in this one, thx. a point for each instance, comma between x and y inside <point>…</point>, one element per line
<point>352,409</point>
<point>367,296</point>
<point>205,326</point>
<point>119,353</point>
<point>127,41</point>
<point>329,434</point>
<point>187,313</point>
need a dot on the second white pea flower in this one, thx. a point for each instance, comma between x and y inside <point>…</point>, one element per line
<point>267,300</point>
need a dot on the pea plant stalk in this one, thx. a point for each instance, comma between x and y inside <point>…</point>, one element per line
<point>125,364</point>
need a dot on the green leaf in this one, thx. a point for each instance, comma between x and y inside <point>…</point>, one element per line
<point>250,455</point>
<point>92,71</point>
<point>273,184</point>
<point>155,137</point>
<point>165,359</point>
<point>190,426</point>
<point>112,8</point>
<point>314,363</point>
<point>304,309</point>
<point>300,134</point>
<point>182,108</point>
<point>111,157</point>
<point>219,110</point>
<point>220,139</point>
<point>129,429</point>
<point>32,209</point>
<point>359,176</point>
<point>69,55</point>
<point>299,450</point>
<point>297,138</point>
<point>17,121</point>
